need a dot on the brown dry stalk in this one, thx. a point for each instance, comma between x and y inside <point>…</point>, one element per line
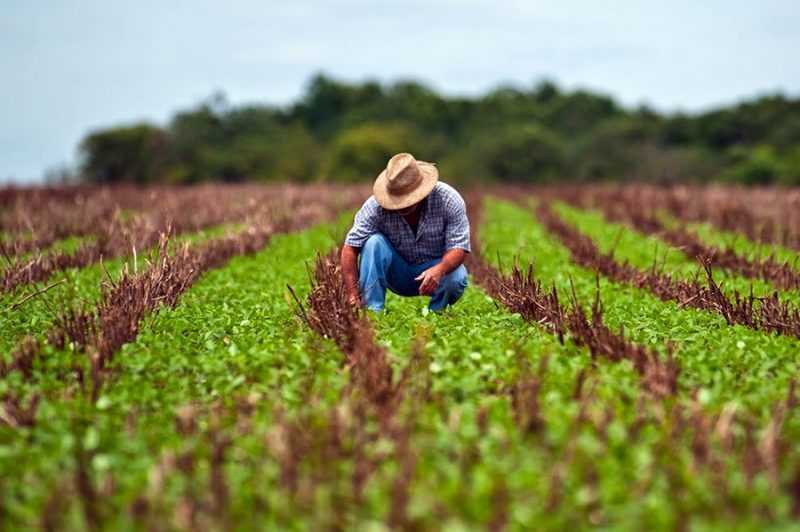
<point>768,313</point>
<point>175,214</point>
<point>373,386</point>
<point>332,316</point>
<point>523,294</point>
<point>15,413</point>
<point>30,296</point>
<point>525,398</point>
<point>625,205</point>
<point>101,331</point>
<point>765,214</point>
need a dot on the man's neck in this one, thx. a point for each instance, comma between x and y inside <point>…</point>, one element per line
<point>413,218</point>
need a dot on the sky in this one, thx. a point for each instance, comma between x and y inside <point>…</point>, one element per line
<point>69,67</point>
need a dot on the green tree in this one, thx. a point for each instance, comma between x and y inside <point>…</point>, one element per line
<point>791,167</point>
<point>361,152</point>
<point>521,153</point>
<point>612,150</point>
<point>197,136</point>
<point>346,131</point>
<point>133,154</point>
<point>291,153</point>
<point>756,166</point>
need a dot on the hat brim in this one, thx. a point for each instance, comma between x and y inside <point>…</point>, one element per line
<point>392,202</point>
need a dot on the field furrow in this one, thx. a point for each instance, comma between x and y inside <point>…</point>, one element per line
<point>645,251</point>
<point>232,334</point>
<point>729,361</point>
<point>121,236</point>
<point>740,243</point>
<point>524,294</point>
<point>593,374</point>
<point>766,313</point>
<point>620,207</point>
<point>34,315</point>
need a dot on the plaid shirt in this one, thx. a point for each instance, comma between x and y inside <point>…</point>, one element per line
<point>443,225</point>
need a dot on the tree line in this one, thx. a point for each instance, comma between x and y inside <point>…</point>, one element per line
<point>340,131</point>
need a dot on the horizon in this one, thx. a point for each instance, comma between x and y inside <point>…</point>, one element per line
<point>150,63</point>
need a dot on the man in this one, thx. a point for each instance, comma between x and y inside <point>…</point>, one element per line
<point>412,235</point>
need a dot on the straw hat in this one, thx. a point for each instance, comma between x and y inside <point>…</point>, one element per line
<point>404,182</point>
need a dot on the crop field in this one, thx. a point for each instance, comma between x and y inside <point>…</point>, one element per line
<point>625,357</point>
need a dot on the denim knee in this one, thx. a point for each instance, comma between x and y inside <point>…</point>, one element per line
<point>377,252</point>
<point>456,281</point>
<point>375,243</point>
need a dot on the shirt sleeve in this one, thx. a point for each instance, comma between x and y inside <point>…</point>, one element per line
<point>364,225</point>
<point>457,224</point>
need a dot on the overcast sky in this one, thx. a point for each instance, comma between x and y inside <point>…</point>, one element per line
<point>70,66</point>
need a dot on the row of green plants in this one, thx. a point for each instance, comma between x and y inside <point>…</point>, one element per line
<point>33,308</point>
<point>647,251</point>
<point>232,334</point>
<point>226,409</point>
<point>727,362</point>
<point>209,349</point>
<point>742,245</point>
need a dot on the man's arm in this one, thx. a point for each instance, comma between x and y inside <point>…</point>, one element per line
<point>349,260</point>
<point>365,225</point>
<point>431,277</point>
<point>456,243</point>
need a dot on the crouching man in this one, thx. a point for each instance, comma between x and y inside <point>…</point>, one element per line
<point>412,236</point>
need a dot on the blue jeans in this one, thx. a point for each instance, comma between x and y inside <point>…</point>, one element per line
<point>382,267</point>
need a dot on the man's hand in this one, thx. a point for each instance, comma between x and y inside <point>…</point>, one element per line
<point>430,279</point>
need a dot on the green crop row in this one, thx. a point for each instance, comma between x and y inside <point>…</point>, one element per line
<point>728,363</point>
<point>233,332</point>
<point>80,286</point>
<point>466,449</point>
<point>743,245</point>
<point>643,251</point>
<point>723,368</point>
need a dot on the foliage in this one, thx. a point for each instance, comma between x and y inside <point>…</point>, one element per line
<point>358,154</point>
<point>510,133</point>
<point>124,154</point>
<point>519,153</point>
<point>755,166</point>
